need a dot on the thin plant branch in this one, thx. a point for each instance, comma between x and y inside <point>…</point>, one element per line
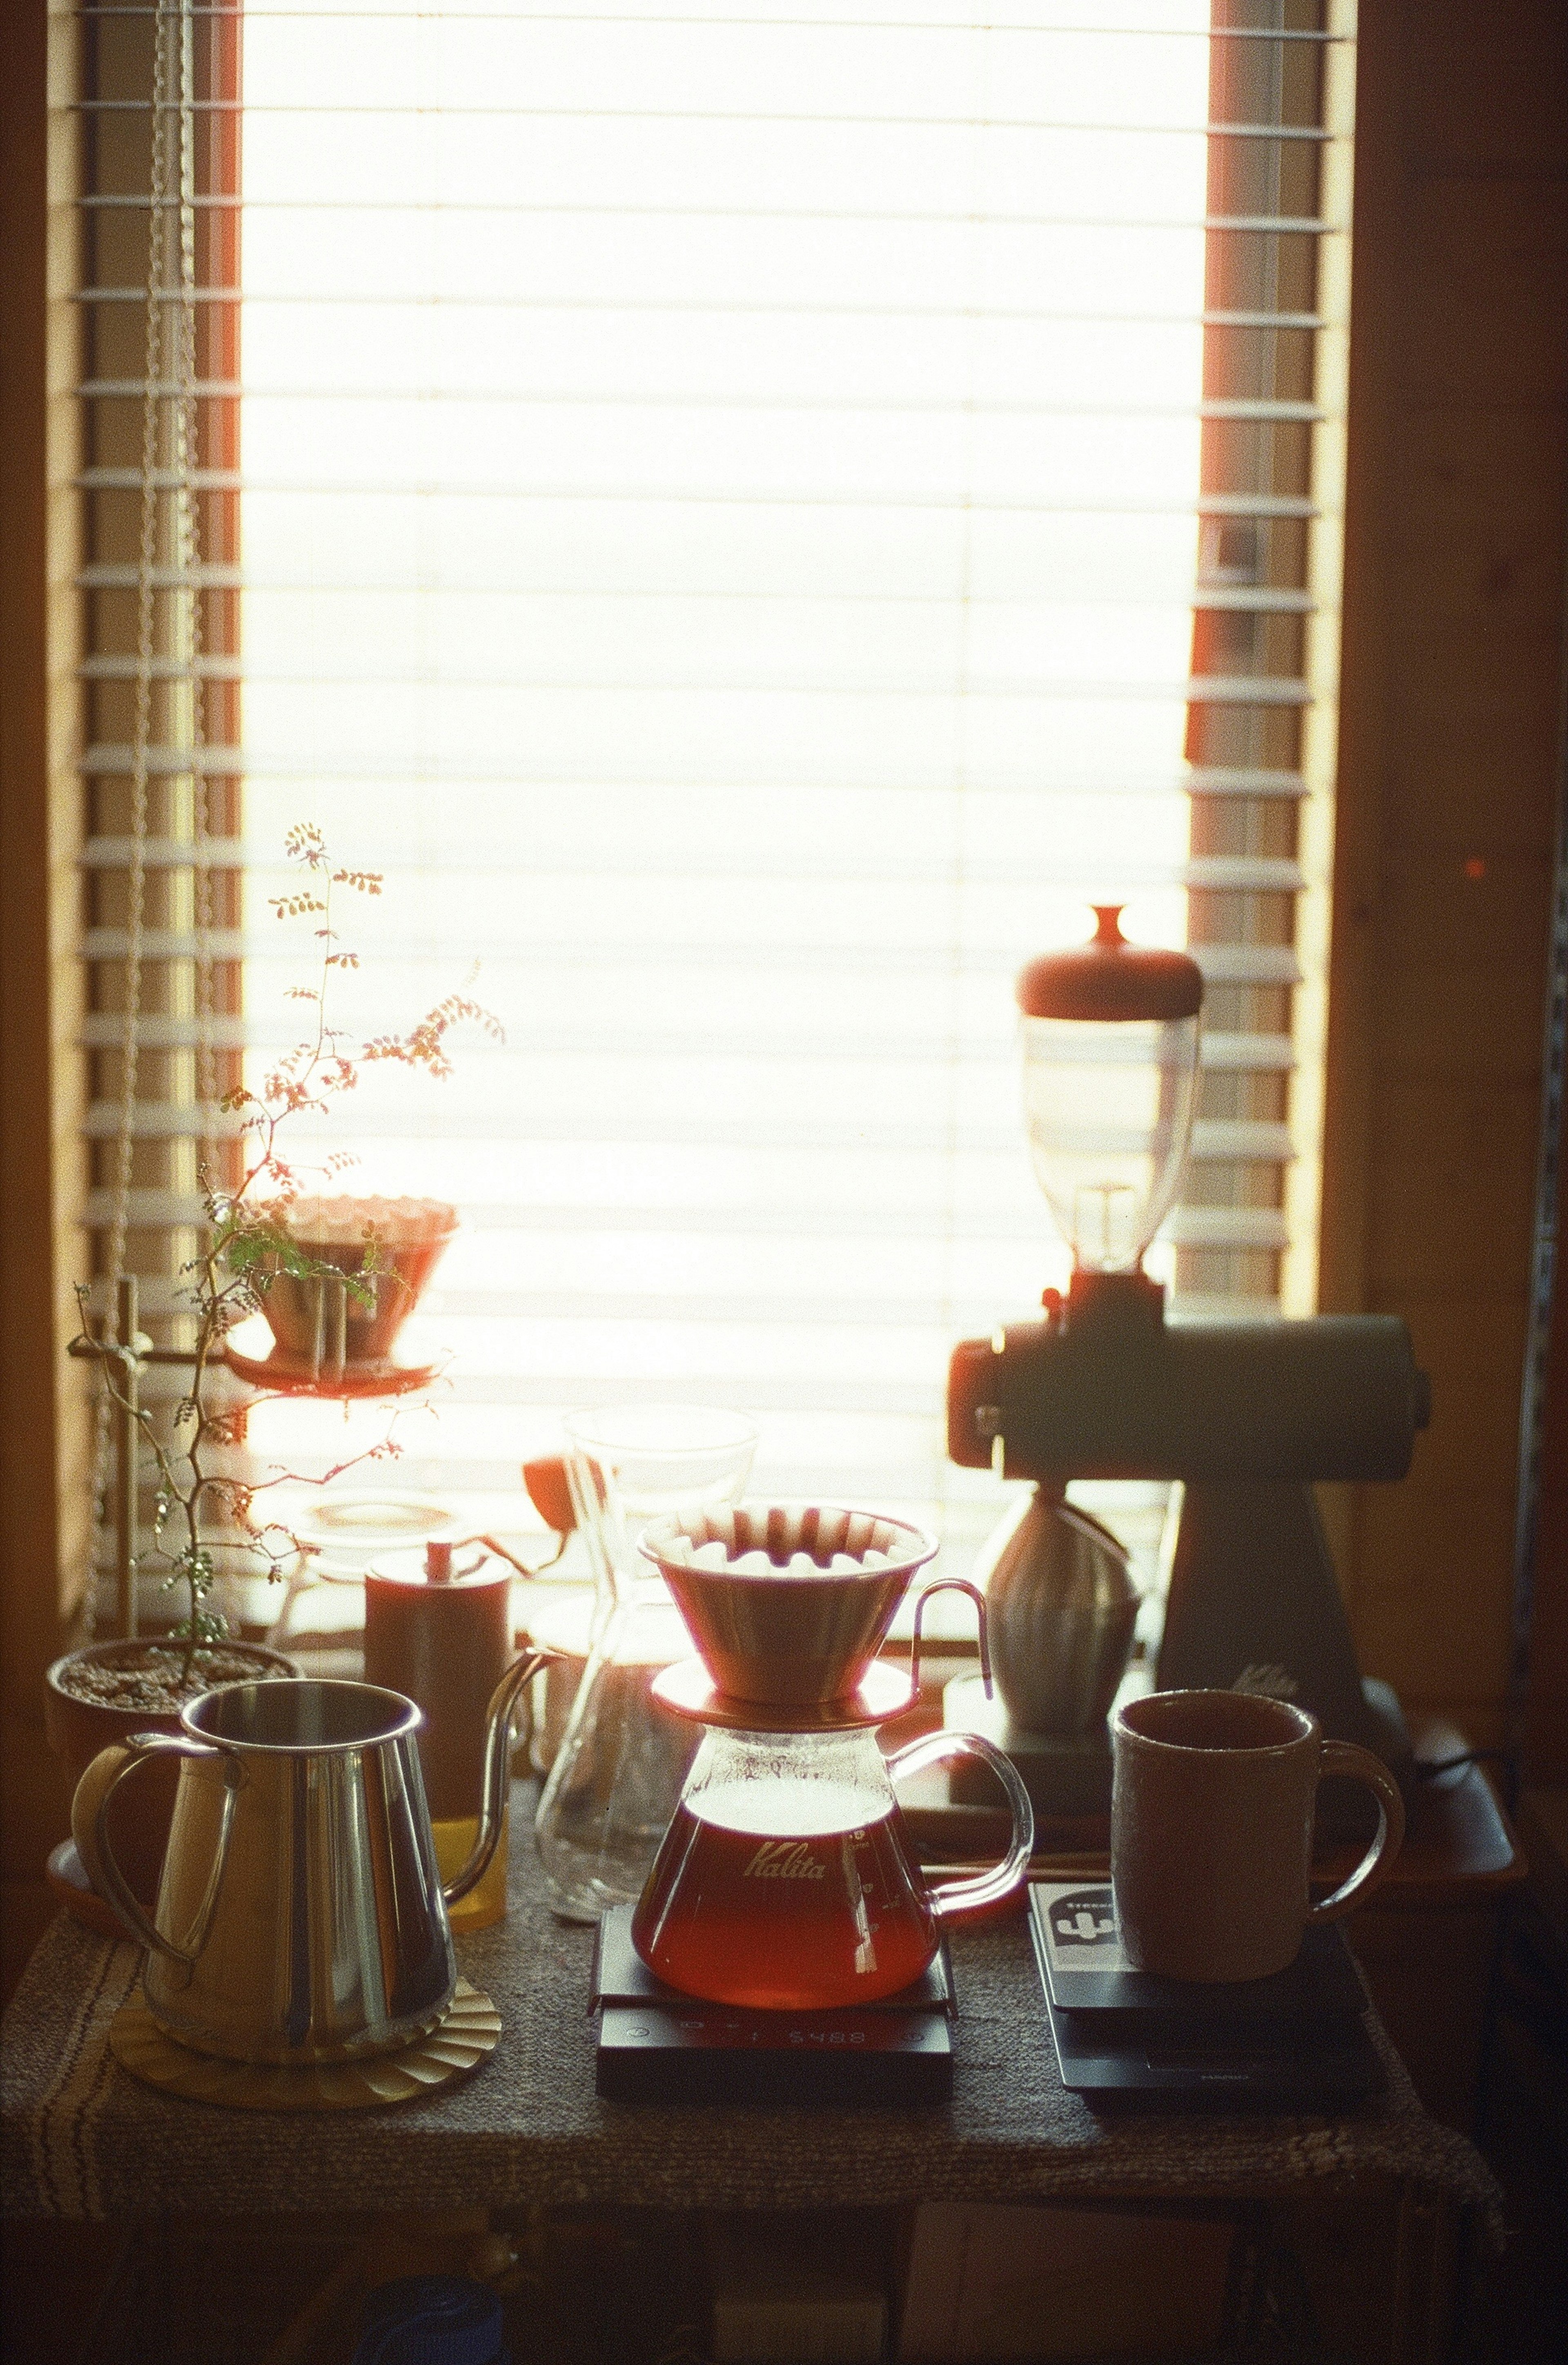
<point>247,1245</point>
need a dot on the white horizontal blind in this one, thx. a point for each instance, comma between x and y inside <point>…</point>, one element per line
<point>723,494</point>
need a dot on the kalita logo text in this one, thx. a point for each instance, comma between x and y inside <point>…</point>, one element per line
<point>784,1860</point>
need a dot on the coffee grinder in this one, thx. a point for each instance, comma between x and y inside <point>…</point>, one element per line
<point>1245,1415</point>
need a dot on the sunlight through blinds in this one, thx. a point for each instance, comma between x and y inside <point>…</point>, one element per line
<point>724,494</point>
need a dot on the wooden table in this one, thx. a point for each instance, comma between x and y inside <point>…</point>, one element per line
<point>81,2139</point>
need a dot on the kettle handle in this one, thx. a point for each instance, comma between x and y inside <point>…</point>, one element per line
<point>89,1829</point>
<point>497,1781</point>
<point>989,1888</point>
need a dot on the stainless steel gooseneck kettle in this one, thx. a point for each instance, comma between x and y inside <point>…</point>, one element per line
<point>300,1917</point>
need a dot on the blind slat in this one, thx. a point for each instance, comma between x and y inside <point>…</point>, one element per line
<point>978,406</point>
<point>1229,1053</point>
<point>109,575</point>
<point>1247,1225</point>
<point>1262,873</point>
<point>1247,1139</point>
<point>371,762</point>
<point>104,852</point>
<point>1287,132</point>
<point>1273,225</point>
<point>1233,874</point>
<point>1221,964</point>
<point>997,23</point>
<point>1227,599</point>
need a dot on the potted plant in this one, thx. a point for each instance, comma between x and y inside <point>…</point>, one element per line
<point>261,1235</point>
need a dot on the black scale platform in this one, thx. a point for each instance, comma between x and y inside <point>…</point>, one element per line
<point>656,2045</point>
<point>1297,2041</point>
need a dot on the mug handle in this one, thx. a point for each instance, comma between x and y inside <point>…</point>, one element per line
<point>950,1897</point>
<point>1345,1757</point>
<point>89,1829</point>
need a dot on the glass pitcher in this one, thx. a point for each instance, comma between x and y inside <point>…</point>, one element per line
<point>786,1879</point>
<point>622,1759</point>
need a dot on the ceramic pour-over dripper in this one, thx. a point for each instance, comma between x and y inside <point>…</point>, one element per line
<point>390,1246</point>
<point>788,1603</point>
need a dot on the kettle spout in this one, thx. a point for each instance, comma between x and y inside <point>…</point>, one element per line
<point>498,1771</point>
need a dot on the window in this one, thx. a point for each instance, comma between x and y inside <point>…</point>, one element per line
<point>751,518</point>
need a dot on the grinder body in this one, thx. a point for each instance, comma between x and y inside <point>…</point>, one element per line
<point>1246,1415</point>
<point>1108,1392</point>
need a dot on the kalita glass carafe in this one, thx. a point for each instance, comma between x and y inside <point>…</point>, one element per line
<point>622,1760</point>
<point>787,1880</point>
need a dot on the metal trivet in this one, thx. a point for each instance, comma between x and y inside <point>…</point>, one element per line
<point>466,2036</point>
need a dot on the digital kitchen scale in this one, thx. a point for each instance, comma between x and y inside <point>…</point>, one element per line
<point>656,2045</point>
<point>1296,2041</point>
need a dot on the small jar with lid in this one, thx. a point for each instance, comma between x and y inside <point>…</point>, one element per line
<point>438,1628</point>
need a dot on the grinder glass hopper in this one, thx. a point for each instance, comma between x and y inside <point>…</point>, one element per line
<point>1110,1034</point>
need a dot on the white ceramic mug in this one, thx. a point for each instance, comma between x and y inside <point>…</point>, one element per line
<point>1212,1814</point>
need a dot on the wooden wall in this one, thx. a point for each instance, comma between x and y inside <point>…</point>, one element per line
<point>1448,790</point>
<point>1545,1736</point>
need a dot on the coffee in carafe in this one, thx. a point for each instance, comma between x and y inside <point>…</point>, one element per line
<point>786,1878</point>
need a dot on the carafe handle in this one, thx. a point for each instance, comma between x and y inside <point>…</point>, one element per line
<point>89,1829</point>
<point>951,1897</point>
<point>496,1782</point>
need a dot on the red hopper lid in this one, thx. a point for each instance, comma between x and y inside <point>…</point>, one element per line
<point>1108,978</point>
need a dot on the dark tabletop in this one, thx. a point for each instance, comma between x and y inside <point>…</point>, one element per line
<point>82,2139</point>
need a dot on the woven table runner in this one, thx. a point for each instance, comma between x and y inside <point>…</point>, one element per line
<point>79,2138</point>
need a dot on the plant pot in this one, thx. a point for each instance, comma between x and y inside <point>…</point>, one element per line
<point>78,1729</point>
